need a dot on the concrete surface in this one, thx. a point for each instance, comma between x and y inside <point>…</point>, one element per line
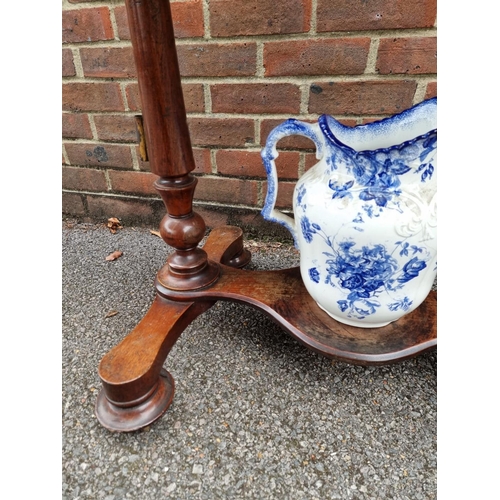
<point>255,414</point>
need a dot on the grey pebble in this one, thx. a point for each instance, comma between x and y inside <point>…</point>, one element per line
<point>251,407</point>
<point>197,469</point>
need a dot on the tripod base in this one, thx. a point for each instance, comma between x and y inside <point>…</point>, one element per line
<point>137,390</point>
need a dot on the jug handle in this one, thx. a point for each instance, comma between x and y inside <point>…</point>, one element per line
<point>270,153</point>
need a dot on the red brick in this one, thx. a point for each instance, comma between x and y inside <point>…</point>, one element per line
<point>101,155</point>
<point>290,142</point>
<point>336,56</point>
<point>116,128</point>
<point>362,98</point>
<point>223,190</point>
<point>310,160</point>
<point>133,97</point>
<point>92,97</point>
<point>83,179</point>
<point>107,206</point>
<point>364,121</point>
<point>213,216</point>
<point>407,55</point>
<point>187,18</point>
<point>287,165</point>
<point>87,25</point>
<point>223,132</point>
<point>72,204</point>
<point>243,163</point>
<point>68,66</point>
<point>346,15</point>
<point>431,90</point>
<point>284,199</point>
<point>235,59</point>
<point>348,122</point>
<point>202,159</point>
<point>259,17</point>
<point>108,62</point>
<point>133,182</point>
<point>194,99</point>
<point>121,18</point>
<point>252,98</point>
<point>76,126</point>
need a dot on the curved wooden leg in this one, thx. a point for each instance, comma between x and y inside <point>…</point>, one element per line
<point>225,245</point>
<point>136,390</point>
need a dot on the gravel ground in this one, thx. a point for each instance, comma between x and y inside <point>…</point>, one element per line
<point>255,414</point>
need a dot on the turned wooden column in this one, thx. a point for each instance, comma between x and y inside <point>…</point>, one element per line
<point>168,143</point>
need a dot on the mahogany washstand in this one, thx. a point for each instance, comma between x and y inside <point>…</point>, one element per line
<point>136,389</point>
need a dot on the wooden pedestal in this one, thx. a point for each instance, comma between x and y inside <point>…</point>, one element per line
<point>136,389</point>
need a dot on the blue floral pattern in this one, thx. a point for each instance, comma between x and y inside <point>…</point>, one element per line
<point>365,215</point>
<point>378,176</point>
<point>363,273</point>
<point>308,229</point>
<point>314,274</point>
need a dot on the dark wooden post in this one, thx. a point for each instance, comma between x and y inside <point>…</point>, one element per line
<point>168,143</point>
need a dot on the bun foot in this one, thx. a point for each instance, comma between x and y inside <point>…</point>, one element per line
<point>128,417</point>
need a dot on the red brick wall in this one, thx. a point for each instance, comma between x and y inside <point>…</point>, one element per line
<point>246,66</point>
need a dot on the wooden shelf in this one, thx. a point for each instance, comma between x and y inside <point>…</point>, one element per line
<point>283,297</point>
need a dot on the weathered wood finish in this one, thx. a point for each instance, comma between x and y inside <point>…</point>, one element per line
<point>136,389</point>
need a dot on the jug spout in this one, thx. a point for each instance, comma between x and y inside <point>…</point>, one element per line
<point>394,131</point>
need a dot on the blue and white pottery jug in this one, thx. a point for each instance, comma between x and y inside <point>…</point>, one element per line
<point>365,214</point>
